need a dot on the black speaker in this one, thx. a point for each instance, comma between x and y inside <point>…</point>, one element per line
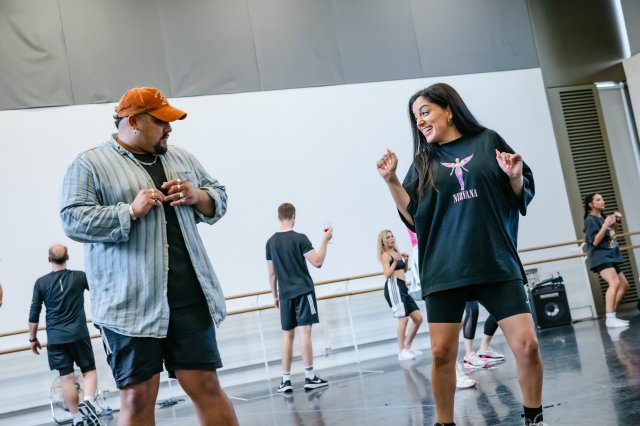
<point>549,304</point>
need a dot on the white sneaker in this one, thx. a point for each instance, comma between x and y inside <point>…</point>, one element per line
<point>415,352</point>
<point>472,361</point>
<point>405,355</point>
<point>616,322</point>
<point>623,320</point>
<point>462,380</point>
<point>491,356</point>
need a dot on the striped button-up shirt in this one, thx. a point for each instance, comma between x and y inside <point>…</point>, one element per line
<point>127,261</point>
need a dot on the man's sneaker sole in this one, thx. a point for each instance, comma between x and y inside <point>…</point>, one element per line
<point>284,389</point>
<point>89,413</point>
<point>315,385</point>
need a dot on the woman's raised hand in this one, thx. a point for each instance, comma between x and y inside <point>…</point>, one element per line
<point>387,165</point>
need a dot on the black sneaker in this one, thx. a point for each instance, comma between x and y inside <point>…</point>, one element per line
<point>534,422</point>
<point>315,383</point>
<point>285,386</point>
<point>89,412</point>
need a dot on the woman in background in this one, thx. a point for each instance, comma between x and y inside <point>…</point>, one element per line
<point>603,255</point>
<point>394,265</point>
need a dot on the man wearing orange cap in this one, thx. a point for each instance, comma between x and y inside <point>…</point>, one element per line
<point>135,201</point>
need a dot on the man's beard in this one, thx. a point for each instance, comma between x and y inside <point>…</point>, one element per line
<point>160,148</point>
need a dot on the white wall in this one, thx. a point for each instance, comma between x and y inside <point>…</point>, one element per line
<point>314,147</point>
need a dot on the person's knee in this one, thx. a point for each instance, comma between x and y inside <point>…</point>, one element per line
<point>624,285</point>
<point>305,330</point>
<point>205,387</point>
<point>417,318</point>
<point>137,400</point>
<point>529,348</point>
<point>441,356</point>
<point>614,283</point>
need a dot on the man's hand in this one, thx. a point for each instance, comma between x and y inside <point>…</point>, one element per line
<point>327,234</point>
<point>276,301</point>
<point>145,201</point>
<point>181,192</point>
<point>35,346</point>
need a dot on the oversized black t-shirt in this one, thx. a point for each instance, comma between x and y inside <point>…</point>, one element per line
<point>63,295</point>
<point>183,286</point>
<point>467,227</point>
<point>605,252</point>
<point>286,250</point>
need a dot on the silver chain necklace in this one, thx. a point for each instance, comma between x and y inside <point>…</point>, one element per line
<point>147,164</point>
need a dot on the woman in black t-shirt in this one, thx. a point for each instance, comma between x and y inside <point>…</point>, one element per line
<point>463,196</point>
<point>394,266</point>
<point>603,255</point>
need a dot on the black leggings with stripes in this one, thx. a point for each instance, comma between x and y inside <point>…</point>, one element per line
<point>470,322</point>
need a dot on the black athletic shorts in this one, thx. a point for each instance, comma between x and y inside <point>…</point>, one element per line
<point>398,298</point>
<point>301,310</point>
<point>63,355</point>
<point>600,268</point>
<point>502,300</point>
<point>190,345</point>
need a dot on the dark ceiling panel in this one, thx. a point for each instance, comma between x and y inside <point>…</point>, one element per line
<point>578,41</point>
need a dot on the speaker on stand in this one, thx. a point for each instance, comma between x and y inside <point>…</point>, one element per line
<point>549,304</point>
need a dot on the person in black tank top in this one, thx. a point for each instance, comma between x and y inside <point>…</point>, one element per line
<point>401,303</point>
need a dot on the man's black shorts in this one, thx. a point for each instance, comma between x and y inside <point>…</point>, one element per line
<point>63,355</point>
<point>190,345</point>
<point>502,300</point>
<point>301,310</point>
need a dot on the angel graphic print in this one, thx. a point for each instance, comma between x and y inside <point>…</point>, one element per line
<point>458,170</point>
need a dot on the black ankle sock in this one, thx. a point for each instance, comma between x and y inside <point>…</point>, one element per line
<point>531,413</point>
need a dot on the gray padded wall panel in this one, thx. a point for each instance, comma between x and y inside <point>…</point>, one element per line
<point>464,37</point>
<point>112,46</point>
<point>296,44</point>
<point>631,11</point>
<point>216,54</point>
<point>33,67</point>
<point>377,40</point>
<point>90,51</point>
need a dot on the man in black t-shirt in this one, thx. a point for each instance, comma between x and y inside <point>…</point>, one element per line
<point>293,294</point>
<point>68,342</point>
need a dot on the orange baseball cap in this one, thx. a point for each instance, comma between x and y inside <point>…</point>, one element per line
<point>150,100</point>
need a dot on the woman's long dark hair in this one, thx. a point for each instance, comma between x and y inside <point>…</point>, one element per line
<point>444,96</point>
<point>587,200</point>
